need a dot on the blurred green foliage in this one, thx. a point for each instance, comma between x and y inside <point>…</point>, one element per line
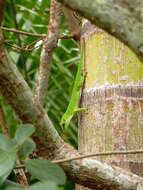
<point>51,176</point>
<point>33,16</point>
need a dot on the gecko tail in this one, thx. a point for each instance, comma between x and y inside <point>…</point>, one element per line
<point>67,123</point>
<point>66,126</point>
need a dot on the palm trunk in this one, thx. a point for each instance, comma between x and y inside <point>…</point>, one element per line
<point>113,95</point>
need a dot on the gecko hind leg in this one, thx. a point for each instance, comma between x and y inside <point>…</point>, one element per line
<point>85,110</point>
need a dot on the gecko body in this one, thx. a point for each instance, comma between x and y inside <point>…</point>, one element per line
<point>73,106</point>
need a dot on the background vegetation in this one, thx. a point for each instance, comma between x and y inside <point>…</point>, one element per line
<point>33,16</point>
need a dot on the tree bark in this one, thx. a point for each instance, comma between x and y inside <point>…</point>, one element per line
<point>49,46</point>
<point>123,19</point>
<point>113,95</point>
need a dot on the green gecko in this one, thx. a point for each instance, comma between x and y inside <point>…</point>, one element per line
<point>73,106</point>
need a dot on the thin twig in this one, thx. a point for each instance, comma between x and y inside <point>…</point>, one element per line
<point>17,48</point>
<point>19,42</point>
<point>23,32</point>
<point>109,153</point>
<point>27,47</point>
<point>63,36</point>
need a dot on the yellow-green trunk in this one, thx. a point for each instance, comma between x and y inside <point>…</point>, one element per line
<point>113,95</point>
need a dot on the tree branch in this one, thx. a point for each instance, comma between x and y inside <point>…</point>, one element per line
<point>3,123</point>
<point>21,32</point>
<point>73,23</point>
<point>21,99</point>
<point>108,153</point>
<point>123,19</point>
<point>49,45</point>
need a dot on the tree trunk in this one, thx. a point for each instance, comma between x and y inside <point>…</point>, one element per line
<point>113,95</point>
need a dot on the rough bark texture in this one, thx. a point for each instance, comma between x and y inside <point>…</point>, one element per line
<point>113,96</point>
<point>122,18</point>
<point>3,123</point>
<point>88,172</point>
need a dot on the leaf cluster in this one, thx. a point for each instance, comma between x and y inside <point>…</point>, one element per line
<point>48,174</point>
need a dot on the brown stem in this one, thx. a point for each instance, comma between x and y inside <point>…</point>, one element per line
<point>3,122</point>
<point>49,45</point>
<point>23,32</point>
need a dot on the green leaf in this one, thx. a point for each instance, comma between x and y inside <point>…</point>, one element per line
<point>27,147</point>
<point>44,170</point>
<point>6,143</point>
<point>139,187</point>
<point>48,185</point>
<point>7,162</point>
<point>14,56</point>
<point>11,185</point>
<point>23,133</point>
<point>14,188</point>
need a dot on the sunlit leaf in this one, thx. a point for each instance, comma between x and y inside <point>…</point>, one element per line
<point>7,162</point>
<point>15,188</point>
<point>11,185</point>
<point>139,187</point>
<point>48,185</point>
<point>6,143</point>
<point>45,170</point>
<point>23,133</point>
<point>27,147</point>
